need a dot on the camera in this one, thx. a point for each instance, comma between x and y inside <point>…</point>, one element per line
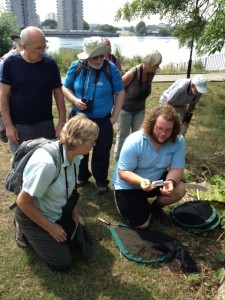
<point>89,103</point>
<point>71,202</point>
<point>158,182</point>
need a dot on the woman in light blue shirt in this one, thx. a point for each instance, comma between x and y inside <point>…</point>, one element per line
<point>46,208</point>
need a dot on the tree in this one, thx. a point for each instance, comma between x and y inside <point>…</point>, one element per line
<point>141,28</point>
<point>199,21</point>
<point>108,28</point>
<point>8,26</point>
<point>86,26</point>
<point>49,23</point>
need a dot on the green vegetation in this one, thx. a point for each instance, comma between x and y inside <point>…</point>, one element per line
<point>108,275</point>
<point>86,26</point>
<point>49,23</point>
<point>108,28</point>
<point>7,27</point>
<point>64,57</point>
<point>201,21</point>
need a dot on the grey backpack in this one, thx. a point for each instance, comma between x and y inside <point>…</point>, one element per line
<point>14,179</point>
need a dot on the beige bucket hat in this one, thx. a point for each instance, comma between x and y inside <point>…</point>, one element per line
<point>93,46</point>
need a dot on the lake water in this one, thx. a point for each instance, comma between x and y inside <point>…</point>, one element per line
<point>134,45</point>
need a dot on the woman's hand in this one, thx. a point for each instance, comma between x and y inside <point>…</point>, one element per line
<point>80,104</point>
<point>57,232</point>
<point>77,218</point>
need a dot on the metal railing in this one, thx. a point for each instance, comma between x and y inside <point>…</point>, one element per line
<point>213,62</point>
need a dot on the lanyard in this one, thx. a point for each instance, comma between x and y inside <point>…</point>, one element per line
<point>65,170</point>
<point>85,71</point>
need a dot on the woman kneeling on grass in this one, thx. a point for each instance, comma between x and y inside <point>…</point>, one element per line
<point>45,204</point>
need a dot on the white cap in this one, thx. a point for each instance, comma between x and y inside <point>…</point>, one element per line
<point>200,82</point>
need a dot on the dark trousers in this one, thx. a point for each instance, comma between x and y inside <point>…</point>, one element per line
<point>33,131</point>
<point>56,255</point>
<point>100,155</point>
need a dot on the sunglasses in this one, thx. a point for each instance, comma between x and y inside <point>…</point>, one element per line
<point>99,56</point>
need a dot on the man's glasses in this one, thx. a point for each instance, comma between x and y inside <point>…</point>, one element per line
<point>162,130</point>
<point>99,56</point>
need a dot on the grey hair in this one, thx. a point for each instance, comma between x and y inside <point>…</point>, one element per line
<point>153,58</point>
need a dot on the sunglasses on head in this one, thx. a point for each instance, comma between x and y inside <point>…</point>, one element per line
<point>99,56</point>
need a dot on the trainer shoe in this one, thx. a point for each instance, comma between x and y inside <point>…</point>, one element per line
<point>3,136</point>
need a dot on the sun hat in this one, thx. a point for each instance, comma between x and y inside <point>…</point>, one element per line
<point>200,82</point>
<point>93,46</point>
<point>16,36</point>
<point>13,37</point>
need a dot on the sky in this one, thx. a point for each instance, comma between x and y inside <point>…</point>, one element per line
<point>95,12</point>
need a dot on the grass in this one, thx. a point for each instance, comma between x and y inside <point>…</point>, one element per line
<point>64,57</point>
<point>108,275</point>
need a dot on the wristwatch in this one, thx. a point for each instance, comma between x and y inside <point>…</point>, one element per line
<point>173,181</point>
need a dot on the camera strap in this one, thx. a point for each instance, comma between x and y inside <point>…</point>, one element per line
<point>84,76</point>
<point>65,170</point>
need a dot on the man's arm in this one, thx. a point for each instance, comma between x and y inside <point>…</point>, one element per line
<point>175,174</point>
<point>61,107</point>
<point>118,103</point>
<point>11,131</point>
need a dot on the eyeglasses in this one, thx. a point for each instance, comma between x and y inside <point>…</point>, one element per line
<point>37,49</point>
<point>162,130</point>
<point>99,56</point>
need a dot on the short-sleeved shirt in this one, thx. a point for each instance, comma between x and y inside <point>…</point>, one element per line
<point>38,181</point>
<point>102,93</point>
<point>179,94</point>
<point>32,85</point>
<point>139,155</point>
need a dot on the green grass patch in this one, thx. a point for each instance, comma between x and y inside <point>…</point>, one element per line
<point>108,275</point>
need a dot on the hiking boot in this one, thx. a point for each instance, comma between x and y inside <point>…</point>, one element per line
<point>159,214</point>
<point>3,136</point>
<point>21,240</point>
<point>101,190</point>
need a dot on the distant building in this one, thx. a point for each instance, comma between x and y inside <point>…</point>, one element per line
<point>70,14</point>
<point>51,16</point>
<point>24,10</point>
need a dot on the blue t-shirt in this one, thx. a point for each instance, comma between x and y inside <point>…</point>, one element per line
<point>31,88</point>
<point>101,93</point>
<point>139,155</point>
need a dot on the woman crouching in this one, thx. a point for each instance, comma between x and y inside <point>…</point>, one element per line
<point>46,206</point>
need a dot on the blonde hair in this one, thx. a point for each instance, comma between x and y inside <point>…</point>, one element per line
<point>77,131</point>
<point>153,58</point>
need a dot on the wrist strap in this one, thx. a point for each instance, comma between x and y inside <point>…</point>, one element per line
<point>173,181</point>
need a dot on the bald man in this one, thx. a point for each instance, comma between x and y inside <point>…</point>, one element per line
<point>26,100</point>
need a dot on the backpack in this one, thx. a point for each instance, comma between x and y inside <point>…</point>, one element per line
<point>106,69</point>
<point>14,179</point>
<point>195,216</point>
